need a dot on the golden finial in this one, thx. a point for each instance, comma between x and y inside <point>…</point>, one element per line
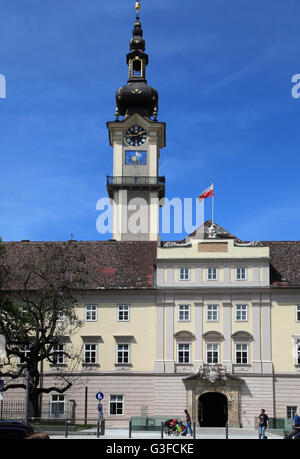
<point>137,7</point>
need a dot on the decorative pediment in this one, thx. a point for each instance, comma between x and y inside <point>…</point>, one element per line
<point>210,230</point>
<point>184,335</point>
<point>92,339</point>
<point>125,339</point>
<point>213,336</point>
<point>242,336</point>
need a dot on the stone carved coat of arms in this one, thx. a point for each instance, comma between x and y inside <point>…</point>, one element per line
<point>213,373</point>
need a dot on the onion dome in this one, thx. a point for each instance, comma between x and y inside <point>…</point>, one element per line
<point>137,96</point>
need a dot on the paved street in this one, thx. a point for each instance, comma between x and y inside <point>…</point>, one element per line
<point>203,433</point>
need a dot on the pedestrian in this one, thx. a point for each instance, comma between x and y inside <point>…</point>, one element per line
<point>296,422</point>
<point>263,424</point>
<point>188,423</point>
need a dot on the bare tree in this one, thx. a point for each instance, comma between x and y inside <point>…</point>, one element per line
<point>40,285</point>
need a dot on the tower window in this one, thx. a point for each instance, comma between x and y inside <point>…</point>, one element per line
<point>136,68</point>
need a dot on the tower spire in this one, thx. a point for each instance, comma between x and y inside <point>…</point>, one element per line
<point>137,96</point>
<point>137,7</point>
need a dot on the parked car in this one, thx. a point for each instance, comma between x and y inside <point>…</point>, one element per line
<point>11,430</point>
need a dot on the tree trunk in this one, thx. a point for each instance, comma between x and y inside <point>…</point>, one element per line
<point>34,403</point>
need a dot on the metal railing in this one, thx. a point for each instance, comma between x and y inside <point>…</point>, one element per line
<point>131,180</point>
<point>12,410</point>
<point>69,428</point>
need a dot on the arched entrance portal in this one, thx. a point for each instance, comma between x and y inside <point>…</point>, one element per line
<point>212,410</point>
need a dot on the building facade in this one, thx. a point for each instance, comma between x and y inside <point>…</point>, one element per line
<point>210,323</point>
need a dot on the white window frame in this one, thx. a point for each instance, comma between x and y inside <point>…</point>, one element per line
<point>184,274</point>
<point>118,402</point>
<point>241,312</point>
<point>91,313</point>
<point>59,400</point>
<point>185,350</point>
<point>238,276</point>
<point>298,313</point>
<point>291,410</point>
<point>122,310</point>
<point>214,350</point>
<point>212,309</point>
<point>241,351</point>
<point>91,352</point>
<point>184,313</point>
<point>212,274</point>
<point>59,351</point>
<point>122,353</point>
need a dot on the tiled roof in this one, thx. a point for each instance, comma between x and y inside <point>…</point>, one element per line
<point>108,264</point>
<point>130,265</point>
<point>285,263</point>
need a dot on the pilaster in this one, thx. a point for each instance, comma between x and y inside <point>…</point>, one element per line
<point>159,365</point>
<point>227,331</point>
<point>198,361</point>
<point>256,332</point>
<point>169,360</point>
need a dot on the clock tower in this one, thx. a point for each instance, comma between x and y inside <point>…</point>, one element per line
<point>136,189</point>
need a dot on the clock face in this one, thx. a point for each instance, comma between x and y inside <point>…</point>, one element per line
<point>136,136</point>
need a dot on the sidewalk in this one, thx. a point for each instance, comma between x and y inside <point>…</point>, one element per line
<point>215,433</point>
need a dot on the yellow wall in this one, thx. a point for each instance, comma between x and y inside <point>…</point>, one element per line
<point>284,326</point>
<point>141,326</point>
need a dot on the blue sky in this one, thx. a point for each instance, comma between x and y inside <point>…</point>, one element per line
<point>223,70</point>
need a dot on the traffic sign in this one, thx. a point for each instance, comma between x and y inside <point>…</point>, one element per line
<point>1,385</point>
<point>100,410</point>
<point>100,396</point>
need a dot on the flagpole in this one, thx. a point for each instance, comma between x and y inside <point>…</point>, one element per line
<point>213,203</point>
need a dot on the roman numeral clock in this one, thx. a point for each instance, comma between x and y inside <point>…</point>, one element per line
<point>136,138</point>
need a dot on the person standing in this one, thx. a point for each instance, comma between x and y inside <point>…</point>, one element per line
<point>188,423</point>
<point>263,424</point>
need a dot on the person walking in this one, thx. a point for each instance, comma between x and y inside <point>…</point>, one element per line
<point>263,424</point>
<point>188,423</point>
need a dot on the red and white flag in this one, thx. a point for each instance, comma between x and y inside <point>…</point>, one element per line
<point>207,193</point>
